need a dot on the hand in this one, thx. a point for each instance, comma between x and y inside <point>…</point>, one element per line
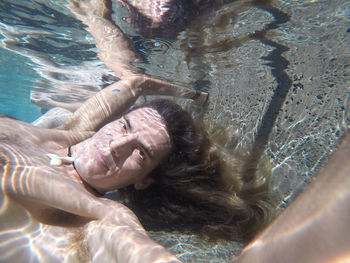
<point>150,85</point>
<point>119,237</point>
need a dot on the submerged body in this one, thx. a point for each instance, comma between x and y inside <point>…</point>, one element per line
<point>35,195</point>
<point>22,219</point>
<point>176,171</point>
<point>40,201</point>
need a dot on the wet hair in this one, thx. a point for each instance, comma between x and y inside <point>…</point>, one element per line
<point>197,189</point>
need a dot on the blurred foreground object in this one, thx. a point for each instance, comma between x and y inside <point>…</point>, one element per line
<point>315,227</point>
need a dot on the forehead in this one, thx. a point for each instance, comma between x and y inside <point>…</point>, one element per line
<point>146,117</point>
<point>149,126</point>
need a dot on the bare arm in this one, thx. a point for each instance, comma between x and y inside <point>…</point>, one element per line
<point>315,227</point>
<point>116,50</point>
<point>120,242</point>
<point>118,97</point>
<point>114,234</point>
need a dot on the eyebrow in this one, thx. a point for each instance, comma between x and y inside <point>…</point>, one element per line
<point>144,148</point>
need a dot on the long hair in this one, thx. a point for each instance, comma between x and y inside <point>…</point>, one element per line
<point>198,189</point>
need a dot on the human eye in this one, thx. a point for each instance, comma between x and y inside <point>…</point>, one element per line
<point>141,154</point>
<point>124,125</point>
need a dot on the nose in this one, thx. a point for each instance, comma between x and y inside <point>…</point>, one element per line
<point>122,148</point>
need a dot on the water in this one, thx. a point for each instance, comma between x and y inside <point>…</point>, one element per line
<point>278,73</point>
<point>16,80</point>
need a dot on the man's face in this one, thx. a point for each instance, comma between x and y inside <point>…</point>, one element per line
<point>124,151</point>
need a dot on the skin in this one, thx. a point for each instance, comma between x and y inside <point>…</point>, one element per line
<point>124,151</point>
<point>315,227</point>
<point>42,204</point>
<point>32,191</point>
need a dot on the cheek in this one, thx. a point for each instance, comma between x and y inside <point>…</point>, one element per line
<point>133,171</point>
<point>84,156</point>
<point>132,165</point>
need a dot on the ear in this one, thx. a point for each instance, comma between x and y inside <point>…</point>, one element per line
<point>143,183</point>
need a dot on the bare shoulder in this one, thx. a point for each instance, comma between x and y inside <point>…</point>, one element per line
<point>9,127</point>
<point>14,131</point>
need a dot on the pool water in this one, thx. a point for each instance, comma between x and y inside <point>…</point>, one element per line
<point>16,80</point>
<point>278,74</point>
